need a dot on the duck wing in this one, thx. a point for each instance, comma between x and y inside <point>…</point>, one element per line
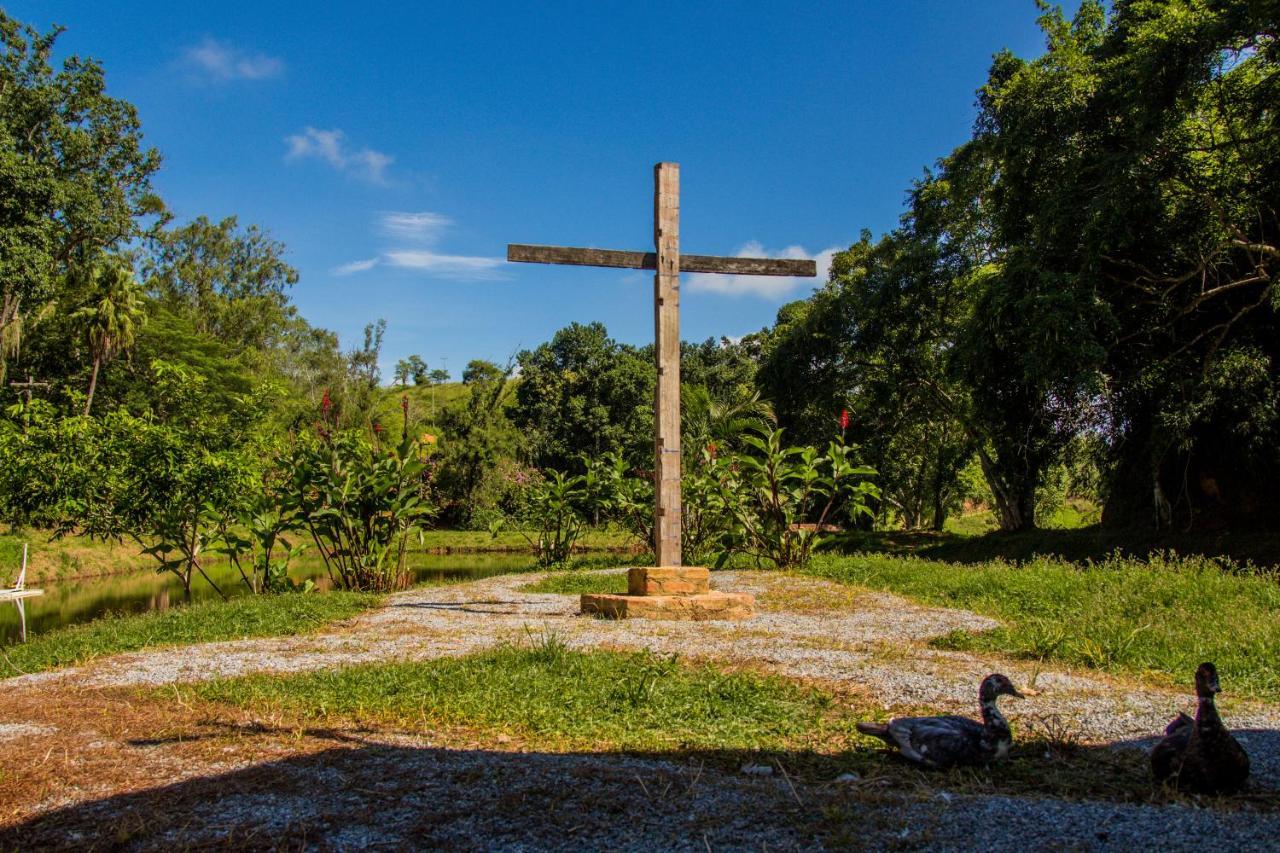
<point>938,742</point>
<point>1214,762</point>
<point>1168,754</point>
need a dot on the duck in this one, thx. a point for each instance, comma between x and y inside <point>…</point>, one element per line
<point>1199,755</point>
<point>947,741</point>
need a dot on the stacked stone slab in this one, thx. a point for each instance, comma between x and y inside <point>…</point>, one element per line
<point>669,592</point>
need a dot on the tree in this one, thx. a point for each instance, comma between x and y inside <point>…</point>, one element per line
<point>439,376</point>
<point>583,392</point>
<point>232,282</point>
<point>418,369</point>
<point>76,175</point>
<point>1138,165</point>
<point>479,370</point>
<point>402,372</point>
<point>477,466</point>
<point>111,320</point>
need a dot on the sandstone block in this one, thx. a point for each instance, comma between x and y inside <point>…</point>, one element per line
<point>668,580</point>
<point>704,606</point>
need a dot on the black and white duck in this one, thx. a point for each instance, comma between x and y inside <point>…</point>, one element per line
<point>947,741</point>
<point>1200,755</point>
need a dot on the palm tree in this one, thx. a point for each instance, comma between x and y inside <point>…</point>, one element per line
<point>708,418</point>
<point>112,318</point>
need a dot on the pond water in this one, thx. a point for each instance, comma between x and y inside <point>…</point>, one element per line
<point>74,601</point>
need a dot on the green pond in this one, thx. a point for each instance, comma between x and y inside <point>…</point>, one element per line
<point>74,601</point>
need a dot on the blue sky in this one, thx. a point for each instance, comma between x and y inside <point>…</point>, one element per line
<point>396,148</point>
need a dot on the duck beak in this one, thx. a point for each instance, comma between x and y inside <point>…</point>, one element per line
<point>1013,691</point>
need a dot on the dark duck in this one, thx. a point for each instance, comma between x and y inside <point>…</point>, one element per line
<point>947,741</point>
<point>1200,755</point>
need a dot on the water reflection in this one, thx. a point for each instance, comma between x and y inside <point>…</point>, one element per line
<point>76,601</point>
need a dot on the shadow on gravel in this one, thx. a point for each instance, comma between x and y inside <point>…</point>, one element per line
<point>353,793</point>
<point>461,606</point>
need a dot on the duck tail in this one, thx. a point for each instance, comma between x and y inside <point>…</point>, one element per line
<point>879,730</point>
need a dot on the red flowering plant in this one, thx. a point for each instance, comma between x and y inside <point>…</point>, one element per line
<point>361,504</point>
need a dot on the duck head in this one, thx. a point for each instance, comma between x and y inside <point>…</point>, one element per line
<point>996,685</point>
<point>1207,681</point>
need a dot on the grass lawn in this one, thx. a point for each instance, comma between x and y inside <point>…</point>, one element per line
<point>247,616</point>
<point>559,698</point>
<point>1159,617</point>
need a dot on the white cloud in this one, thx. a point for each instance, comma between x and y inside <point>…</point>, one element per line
<point>221,62</point>
<point>356,266</point>
<point>765,286</point>
<point>423,226</point>
<point>446,266</point>
<point>330,146</point>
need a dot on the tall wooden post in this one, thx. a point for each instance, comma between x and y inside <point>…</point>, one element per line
<point>666,316</point>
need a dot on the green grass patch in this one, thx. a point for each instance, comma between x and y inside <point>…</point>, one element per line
<point>1162,616</point>
<point>243,617</point>
<point>578,582</point>
<point>555,696</point>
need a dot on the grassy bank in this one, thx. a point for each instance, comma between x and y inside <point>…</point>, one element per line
<point>1160,617</point>
<point>52,559</point>
<point>594,539</point>
<point>249,616</point>
<point>75,557</point>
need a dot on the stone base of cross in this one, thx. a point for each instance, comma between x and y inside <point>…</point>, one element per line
<point>670,590</point>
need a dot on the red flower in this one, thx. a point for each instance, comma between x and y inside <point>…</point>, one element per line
<point>325,403</point>
<point>844,419</point>
<point>711,449</point>
<point>404,405</point>
<point>377,427</point>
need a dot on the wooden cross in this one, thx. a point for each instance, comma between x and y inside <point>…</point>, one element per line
<point>27,387</point>
<point>668,264</point>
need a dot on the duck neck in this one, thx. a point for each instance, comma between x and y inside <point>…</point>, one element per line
<point>992,720</point>
<point>1207,712</point>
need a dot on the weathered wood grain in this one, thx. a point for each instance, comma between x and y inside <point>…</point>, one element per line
<point>649,261</point>
<point>666,322</point>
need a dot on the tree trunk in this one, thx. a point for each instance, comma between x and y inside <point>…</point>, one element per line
<point>939,505</point>
<point>1015,497</point>
<point>93,384</point>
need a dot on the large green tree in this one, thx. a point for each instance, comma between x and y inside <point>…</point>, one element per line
<point>231,281</point>
<point>75,175</point>
<point>585,393</point>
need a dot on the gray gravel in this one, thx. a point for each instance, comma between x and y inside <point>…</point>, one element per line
<point>873,644</point>
<point>402,793</point>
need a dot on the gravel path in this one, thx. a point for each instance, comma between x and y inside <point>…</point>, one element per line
<point>869,644</point>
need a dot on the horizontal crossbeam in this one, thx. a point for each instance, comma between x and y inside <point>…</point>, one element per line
<point>649,261</point>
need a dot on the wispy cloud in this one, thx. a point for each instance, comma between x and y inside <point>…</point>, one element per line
<point>423,226</point>
<point>356,266</point>
<point>414,235</point>
<point>765,286</point>
<point>330,146</point>
<point>446,266</point>
<point>221,62</point>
